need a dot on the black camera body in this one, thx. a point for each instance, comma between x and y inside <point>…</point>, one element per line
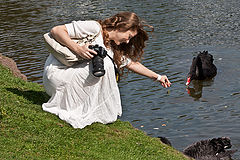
<point>97,60</point>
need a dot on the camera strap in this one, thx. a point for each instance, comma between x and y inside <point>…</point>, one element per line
<point>117,72</point>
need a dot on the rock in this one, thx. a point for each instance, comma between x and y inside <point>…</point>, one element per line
<point>11,64</point>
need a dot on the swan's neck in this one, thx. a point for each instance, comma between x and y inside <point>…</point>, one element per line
<point>197,67</point>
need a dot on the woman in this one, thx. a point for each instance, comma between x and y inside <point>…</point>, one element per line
<point>77,96</point>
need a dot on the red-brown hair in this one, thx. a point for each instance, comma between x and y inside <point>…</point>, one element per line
<point>123,22</point>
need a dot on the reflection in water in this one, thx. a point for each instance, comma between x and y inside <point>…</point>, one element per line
<point>195,90</point>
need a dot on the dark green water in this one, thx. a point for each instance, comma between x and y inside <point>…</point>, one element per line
<point>182,28</point>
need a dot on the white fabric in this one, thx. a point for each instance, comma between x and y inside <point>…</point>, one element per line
<point>77,96</point>
<point>125,61</point>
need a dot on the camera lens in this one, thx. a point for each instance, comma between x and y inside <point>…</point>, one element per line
<point>98,66</point>
<point>97,61</point>
<point>99,73</point>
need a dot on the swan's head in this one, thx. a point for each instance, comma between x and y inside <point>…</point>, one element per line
<point>188,81</point>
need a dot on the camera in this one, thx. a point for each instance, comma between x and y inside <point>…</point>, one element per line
<point>97,60</point>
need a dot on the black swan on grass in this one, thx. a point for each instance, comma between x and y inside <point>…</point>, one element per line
<point>202,67</point>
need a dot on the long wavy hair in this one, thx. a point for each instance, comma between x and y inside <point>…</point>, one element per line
<point>123,22</point>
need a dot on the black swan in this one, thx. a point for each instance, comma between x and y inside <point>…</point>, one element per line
<point>209,149</point>
<point>202,67</point>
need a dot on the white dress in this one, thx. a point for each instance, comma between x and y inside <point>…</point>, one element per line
<point>77,96</point>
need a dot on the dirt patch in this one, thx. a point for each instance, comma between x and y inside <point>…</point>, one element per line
<point>11,64</point>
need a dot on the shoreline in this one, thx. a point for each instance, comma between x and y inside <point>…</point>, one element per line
<point>11,64</point>
<point>27,132</point>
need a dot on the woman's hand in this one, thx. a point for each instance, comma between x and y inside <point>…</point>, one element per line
<point>61,35</point>
<point>164,81</point>
<point>142,70</point>
<point>85,52</point>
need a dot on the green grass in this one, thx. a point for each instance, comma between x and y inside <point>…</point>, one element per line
<point>27,132</point>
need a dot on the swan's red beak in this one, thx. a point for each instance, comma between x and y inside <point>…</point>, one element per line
<point>188,81</point>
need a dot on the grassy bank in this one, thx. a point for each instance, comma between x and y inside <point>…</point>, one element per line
<point>27,132</point>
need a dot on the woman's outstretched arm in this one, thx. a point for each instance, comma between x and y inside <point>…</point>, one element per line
<point>138,68</point>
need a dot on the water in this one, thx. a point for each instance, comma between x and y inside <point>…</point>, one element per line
<point>182,28</point>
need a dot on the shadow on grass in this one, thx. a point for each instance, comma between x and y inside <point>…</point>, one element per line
<point>36,97</point>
